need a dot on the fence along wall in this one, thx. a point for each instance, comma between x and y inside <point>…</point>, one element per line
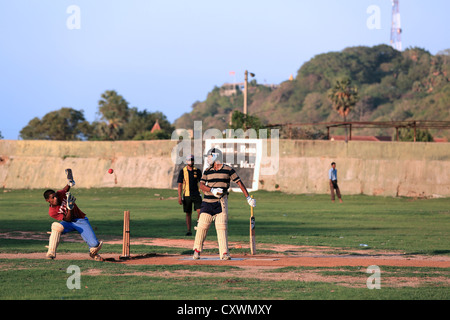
<point>371,168</point>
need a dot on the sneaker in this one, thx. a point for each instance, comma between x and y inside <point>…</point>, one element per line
<point>96,257</point>
<point>50,256</point>
<point>196,255</point>
<point>94,251</point>
<point>225,256</point>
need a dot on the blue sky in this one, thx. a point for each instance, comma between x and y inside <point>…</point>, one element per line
<point>165,55</point>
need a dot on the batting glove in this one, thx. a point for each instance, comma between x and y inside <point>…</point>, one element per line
<point>217,192</point>
<point>70,201</point>
<point>71,183</point>
<point>251,201</point>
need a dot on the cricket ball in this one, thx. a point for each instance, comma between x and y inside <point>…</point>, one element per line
<point>110,171</point>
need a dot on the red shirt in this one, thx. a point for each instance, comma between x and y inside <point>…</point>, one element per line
<point>58,212</point>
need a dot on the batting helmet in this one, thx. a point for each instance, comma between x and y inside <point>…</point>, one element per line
<point>216,155</point>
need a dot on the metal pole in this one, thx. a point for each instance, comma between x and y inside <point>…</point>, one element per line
<point>245,91</point>
<point>414,131</point>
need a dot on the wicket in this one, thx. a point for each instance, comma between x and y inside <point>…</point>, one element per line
<point>126,235</point>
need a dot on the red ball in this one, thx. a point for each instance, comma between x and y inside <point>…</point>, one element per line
<point>110,171</point>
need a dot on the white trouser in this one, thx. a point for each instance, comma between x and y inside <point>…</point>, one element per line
<point>221,223</point>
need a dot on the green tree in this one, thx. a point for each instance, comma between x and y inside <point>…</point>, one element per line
<point>407,134</point>
<point>114,109</point>
<point>62,124</point>
<point>124,123</point>
<point>344,97</point>
<point>155,135</point>
<point>245,121</point>
<point>104,131</point>
<point>141,123</point>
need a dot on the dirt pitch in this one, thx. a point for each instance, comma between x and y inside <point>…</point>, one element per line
<point>264,266</point>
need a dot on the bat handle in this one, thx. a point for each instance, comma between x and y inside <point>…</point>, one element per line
<point>251,208</point>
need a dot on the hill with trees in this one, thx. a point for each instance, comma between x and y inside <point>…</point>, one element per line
<point>356,84</point>
<point>391,86</point>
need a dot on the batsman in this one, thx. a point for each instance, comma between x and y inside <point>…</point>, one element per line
<point>63,208</point>
<point>214,183</point>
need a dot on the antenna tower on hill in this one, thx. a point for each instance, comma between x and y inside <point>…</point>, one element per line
<point>396,28</point>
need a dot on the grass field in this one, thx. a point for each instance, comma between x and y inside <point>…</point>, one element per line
<point>402,225</point>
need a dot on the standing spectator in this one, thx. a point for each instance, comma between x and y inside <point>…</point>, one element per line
<point>332,175</point>
<point>188,191</point>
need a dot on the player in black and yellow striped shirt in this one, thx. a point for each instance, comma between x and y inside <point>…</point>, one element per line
<point>188,191</point>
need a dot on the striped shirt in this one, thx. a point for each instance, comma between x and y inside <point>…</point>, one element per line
<point>218,179</point>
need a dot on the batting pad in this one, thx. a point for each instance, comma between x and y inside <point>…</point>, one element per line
<point>55,236</point>
<point>221,228</point>
<point>202,230</point>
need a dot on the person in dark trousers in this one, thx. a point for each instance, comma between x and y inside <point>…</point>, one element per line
<point>332,176</point>
<point>188,191</point>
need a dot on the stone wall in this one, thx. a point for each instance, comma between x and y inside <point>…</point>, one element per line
<point>372,168</point>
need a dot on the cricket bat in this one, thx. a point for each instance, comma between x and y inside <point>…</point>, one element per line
<point>252,232</point>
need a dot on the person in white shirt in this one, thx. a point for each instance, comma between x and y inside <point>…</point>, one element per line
<point>332,175</point>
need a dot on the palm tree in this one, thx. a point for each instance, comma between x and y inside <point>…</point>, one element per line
<point>343,96</point>
<point>114,109</point>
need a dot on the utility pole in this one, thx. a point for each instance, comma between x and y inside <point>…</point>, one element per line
<point>246,89</point>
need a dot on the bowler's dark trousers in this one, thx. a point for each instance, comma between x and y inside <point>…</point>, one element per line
<point>334,186</point>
